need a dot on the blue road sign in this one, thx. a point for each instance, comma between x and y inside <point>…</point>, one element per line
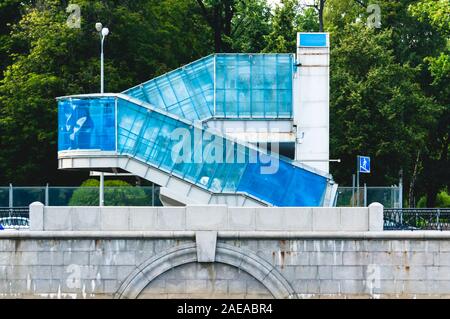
<point>364,164</point>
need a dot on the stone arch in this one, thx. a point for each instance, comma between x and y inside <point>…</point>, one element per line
<point>251,263</point>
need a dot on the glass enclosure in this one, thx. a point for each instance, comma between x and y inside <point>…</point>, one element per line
<point>224,86</point>
<point>155,139</point>
<point>203,158</point>
<point>87,124</point>
<point>254,86</point>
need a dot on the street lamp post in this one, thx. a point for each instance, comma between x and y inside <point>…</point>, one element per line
<point>103,33</point>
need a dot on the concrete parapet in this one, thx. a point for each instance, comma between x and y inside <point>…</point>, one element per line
<point>208,218</point>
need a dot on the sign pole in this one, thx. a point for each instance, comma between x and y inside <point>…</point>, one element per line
<point>353,190</point>
<point>357,181</point>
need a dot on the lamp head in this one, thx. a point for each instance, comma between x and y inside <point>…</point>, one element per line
<point>98,26</point>
<point>105,32</point>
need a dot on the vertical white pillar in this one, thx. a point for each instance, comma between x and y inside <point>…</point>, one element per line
<point>102,190</point>
<point>36,216</point>
<point>11,196</point>
<point>47,200</point>
<point>311,100</point>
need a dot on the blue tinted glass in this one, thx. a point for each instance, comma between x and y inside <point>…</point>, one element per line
<point>187,92</point>
<point>289,186</point>
<point>254,85</point>
<point>224,85</point>
<point>156,143</point>
<point>206,159</point>
<point>86,124</point>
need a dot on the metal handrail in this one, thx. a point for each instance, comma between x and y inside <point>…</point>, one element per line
<point>14,217</point>
<point>417,219</point>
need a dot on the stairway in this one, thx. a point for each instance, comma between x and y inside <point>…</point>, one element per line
<point>157,131</point>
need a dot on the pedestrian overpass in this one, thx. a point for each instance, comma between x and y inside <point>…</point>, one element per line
<point>235,129</point>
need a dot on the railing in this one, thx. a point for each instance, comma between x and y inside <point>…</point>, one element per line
<point>417,219</point>
<point>14,196</point>
<point>388,196</point>
<point>14,218</point>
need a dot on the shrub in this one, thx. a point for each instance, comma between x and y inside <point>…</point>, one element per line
<point>117,193</point>
<point>442,200</point>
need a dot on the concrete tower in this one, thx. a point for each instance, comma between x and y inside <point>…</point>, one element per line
<point>311,100</point>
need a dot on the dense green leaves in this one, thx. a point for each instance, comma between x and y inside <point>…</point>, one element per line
<point>370,87</point>
<point>289,19</point>
<point>148,38</point>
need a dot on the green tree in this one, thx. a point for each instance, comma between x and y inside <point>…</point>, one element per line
<point>442,200</point>
<point>236,24</point>
<point>148,37</point>
<point>436,154</point>
<point>376,106</point>
<point>250,24</point>
<point>283,36</point>
<point>290,18</point>
<point>10,13</point>
<point>436,12</point>
<point>418,42</point>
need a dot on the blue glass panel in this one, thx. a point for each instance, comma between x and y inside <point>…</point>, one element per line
<point>254,86</point>
<point>305,189</point>
<point>289,186</point>
<point>313,39</point>
<point>212,162</point>
<point>154,143</point>
<point>187,92</point>
<point>86,124</point>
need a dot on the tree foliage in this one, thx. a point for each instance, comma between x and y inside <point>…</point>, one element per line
<point>148,37</point>
<point>289,19</point>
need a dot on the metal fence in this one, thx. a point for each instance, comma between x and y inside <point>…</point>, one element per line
<point>14,196</point>
<point>14,218</point>
<point>389,197</point>
<point>417,219</point>
<point>79,196</point>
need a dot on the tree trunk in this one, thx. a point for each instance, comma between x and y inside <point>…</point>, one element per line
<point>229,13</point>
<point>413,181</point>
<point>431,196</point>
<point>217,29</point>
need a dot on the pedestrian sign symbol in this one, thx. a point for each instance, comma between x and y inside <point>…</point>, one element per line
<point>364,164</point>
